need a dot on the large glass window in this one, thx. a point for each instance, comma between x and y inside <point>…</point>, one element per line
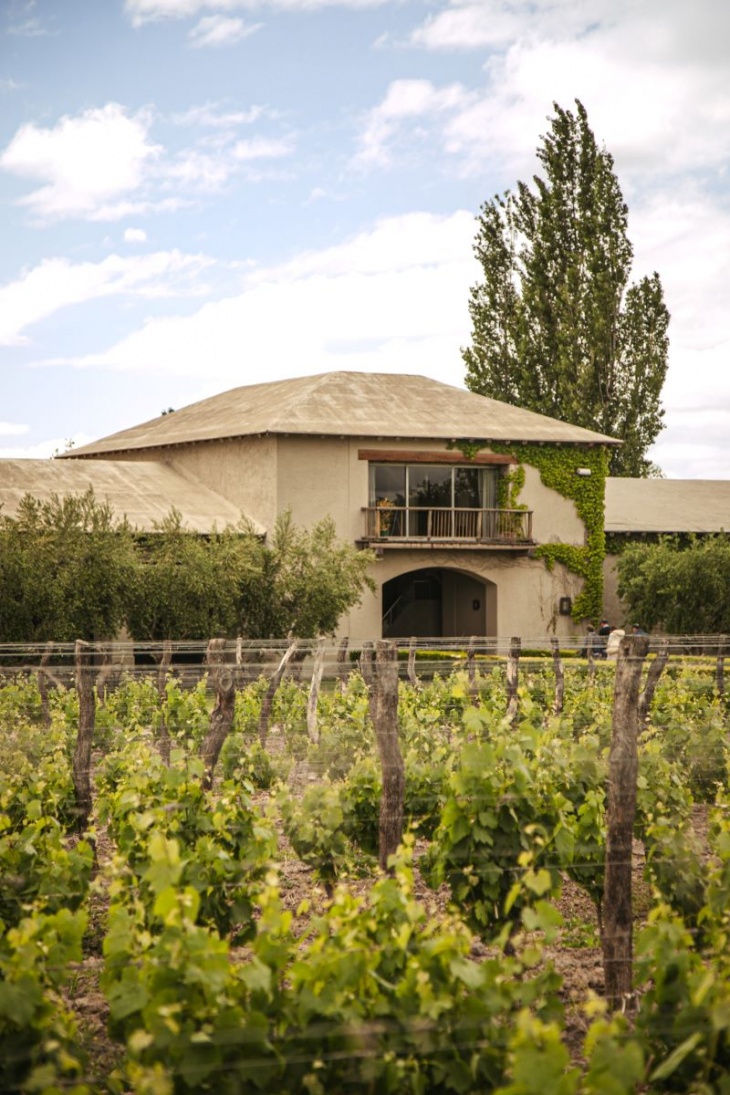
<point>406,496</point>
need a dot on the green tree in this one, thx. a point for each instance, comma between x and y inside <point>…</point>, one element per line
<point>233,583</point>
<point>186,584</point>
<point>556,328</point>
<point>66,567</point>
<point>684,589</point>
<point>302,583</point>
<point>70,569</point>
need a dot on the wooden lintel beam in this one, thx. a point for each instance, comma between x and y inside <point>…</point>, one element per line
<point>408,456</point>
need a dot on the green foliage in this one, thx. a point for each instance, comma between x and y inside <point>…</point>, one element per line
<point>682,588</point>
<point>166,825</point>
<point>69,569</point>
<point>317,828</point>
<point>39,1045</point>
<point>186,583</point>
<point>555,326</point>
<point>66,568</point>
<point>501,837</point>
<point>37,869</point>
<point>35,773</point>
<point>177,1000</point>
<point>396,1001</point>
<point>302,583</point>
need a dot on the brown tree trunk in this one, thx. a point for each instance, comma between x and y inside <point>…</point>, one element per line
<point>271,692</point>
<point>162,670</point>
<point>391,759</point>
<point>513,679</point>
<point>84,680</point>
<point>623,768</point>
<point>223,679</point>
<point>317,670</point>
<point>559,677</point>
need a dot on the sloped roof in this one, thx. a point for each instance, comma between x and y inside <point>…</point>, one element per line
<point>347,404</point>
<point>143,490</point>
<point>667,505</point>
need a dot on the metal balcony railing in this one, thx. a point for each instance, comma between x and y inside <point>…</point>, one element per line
<point>489,526</point>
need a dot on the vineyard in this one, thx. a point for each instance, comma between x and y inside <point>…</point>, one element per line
<point>215,912</point>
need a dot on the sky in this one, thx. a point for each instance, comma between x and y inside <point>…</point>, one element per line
<point>200,194</point>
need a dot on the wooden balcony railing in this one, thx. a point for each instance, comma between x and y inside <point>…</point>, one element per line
<point>490,526</point>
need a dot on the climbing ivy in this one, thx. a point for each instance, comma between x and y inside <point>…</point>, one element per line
<point>509,487</point>
<point>558,467</point>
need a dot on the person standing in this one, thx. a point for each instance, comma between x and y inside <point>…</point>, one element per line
<point>604,630</point>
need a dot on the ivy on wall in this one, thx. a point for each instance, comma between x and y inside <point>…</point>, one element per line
<point>558,467</point>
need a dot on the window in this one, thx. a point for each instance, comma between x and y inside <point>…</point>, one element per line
<point>411,498</point>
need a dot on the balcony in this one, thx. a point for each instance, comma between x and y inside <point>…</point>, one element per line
<point>421,526</point>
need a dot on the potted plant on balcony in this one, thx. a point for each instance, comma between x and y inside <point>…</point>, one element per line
<point>385,516</point>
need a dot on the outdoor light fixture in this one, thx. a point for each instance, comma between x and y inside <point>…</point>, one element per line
<point>583,471</point>
<point>565,606</point>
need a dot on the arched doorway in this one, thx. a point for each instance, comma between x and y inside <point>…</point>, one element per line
<point>437,602</point>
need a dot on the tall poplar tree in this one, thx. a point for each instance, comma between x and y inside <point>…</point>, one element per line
<point>556,327</point>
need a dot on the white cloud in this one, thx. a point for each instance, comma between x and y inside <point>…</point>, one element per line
<point>210,168</point>
<point>651,73</point>
<point>211,116</point>
<point>148,11</point>
<point>88,163</point>
<point>13,429</point>
<point>261,148</point>
<point>391,299</point>
<point>405,101</point>
<point>57,283</point>
<point>135,235</point>
<point>217,30</point>
<point>42,450</point>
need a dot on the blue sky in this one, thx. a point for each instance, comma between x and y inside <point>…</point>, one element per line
<point>198,194</point>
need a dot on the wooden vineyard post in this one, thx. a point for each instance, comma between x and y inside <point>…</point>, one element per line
<point>720,668</point>
<point>368,675</point>
<point>84,680</point>
<point>653,674</point>
<point>471,668</point>
<point>43,682</point>
<point>342,668</point>
<point>271,692</point>
<point>513,677</point>
<point>317,670</point>
<point>623,768</point>
<point>391,759</point>
<point>162,671</point>
<point>559,677</point>
<point>412,662</point>
<point>223,679</point>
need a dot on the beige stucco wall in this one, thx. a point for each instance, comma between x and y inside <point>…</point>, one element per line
<point>243,470</point>
<point>554,518</point>
<point>613,610</point>
<point>523,598</point>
